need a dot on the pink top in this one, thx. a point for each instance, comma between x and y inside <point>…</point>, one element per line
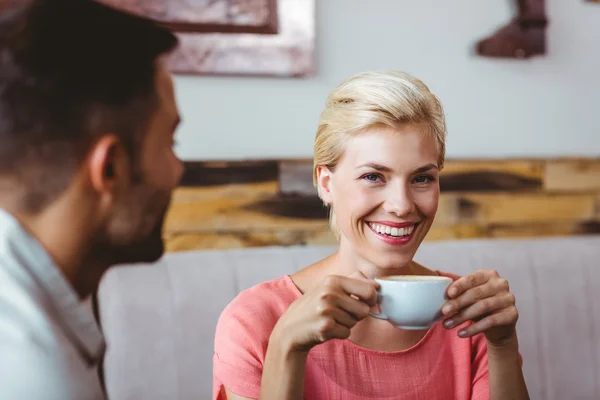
<point>440,366</point>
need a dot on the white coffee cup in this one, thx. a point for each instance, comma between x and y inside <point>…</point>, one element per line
<point>412,302</point>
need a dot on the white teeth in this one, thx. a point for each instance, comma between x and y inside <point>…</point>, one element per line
<point>387,230</point>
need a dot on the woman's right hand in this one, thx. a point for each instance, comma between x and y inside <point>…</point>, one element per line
<point>327,312</point>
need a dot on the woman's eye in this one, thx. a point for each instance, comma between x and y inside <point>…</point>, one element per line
<point>371,177</point>
<point>423,179</point>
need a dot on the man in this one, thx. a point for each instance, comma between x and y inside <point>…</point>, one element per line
<point>87,118</point>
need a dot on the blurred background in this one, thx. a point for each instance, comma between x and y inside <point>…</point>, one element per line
<point>520,83</point>
<point>519,80</point>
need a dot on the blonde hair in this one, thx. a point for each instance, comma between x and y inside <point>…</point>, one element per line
<point>370,99</point>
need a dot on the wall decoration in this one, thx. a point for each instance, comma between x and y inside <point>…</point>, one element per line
<point>236,37</point>
<point>523,37</point>
<point>232,204</point>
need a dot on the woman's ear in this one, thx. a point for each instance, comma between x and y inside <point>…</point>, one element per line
<point>324,183</point>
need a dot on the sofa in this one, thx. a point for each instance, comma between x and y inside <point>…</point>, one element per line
<point>159,319</point>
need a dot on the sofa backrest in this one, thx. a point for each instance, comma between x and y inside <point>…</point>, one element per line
<point>159,319</point>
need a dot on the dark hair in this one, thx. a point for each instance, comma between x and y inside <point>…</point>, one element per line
<point>70,71</point>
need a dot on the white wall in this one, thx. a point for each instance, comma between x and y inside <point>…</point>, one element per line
<point>542,107</point>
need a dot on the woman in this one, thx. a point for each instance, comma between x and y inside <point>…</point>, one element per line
<point>378,150</point>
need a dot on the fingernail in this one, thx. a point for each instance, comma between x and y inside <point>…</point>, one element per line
<point>462,333</point>
<point>447,309</point>
<point>452,291</point>
<point>449,323</point>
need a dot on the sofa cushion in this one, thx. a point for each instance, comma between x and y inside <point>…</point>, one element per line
<point>159,320</point>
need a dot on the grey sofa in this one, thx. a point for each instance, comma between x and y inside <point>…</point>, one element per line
<point>159,319</point>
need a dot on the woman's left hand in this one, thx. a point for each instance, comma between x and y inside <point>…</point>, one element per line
<point>484,298</point>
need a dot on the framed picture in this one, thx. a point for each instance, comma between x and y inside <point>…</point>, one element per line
<point>236,37</point>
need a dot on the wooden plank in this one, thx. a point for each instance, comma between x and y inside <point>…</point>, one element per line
<point>250,191</point>
<point>572,175</point>
<point>296,177</point>
<point>487,182</point>
<point>544,229</point>
<point>227,240</point>
<point>491,176</point>
<point>226,173</point>
<point>515,230</point>
<point>292,206</point>
<point>203,241</point>
<point>522,208</point>
<point>235,214</point>
<point>458,231</point>
<point>258,203</point>
<point>323,236</point>
<point>532,169</point>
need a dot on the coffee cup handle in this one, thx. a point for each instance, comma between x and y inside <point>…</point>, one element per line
<point>380,315</point>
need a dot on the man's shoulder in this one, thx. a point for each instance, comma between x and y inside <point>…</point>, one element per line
<point>23,319</point>
<point>29,365</point>
<point>30,368</point>
<point>36,361</point>
<point>27,371</point>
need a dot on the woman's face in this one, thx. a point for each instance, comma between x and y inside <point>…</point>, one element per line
<point>384,192</point>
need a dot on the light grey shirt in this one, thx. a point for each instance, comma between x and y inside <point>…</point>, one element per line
<point>50,343</point>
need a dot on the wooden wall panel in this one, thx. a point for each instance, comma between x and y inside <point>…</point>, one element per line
<point>268,203</point>
<point>572,175</point>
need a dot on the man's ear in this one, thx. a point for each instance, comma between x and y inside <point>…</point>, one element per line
<point>324,177</point>
<point>106,164</point>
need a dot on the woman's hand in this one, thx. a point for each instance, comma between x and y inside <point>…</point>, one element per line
<point>329,311</point>
<point>484,298</point>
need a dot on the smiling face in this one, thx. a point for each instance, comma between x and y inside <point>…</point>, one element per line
<point>384,192</point>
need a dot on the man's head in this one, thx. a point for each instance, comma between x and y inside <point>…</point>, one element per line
<point>87,111</point>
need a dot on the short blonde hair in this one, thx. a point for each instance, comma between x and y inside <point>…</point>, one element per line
<point>370,99</point>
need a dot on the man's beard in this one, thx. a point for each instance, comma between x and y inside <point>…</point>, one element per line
<point>133,234</point>
<point>147,248</point>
